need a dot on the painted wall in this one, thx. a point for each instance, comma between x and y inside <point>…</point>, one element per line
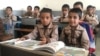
<point>57,4</point>
<point>20,5</point>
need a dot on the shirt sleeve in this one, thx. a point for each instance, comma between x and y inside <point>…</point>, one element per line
<point>62,36</point>
<point>96,21</point>
<point>85,40</point>
<point>33,34</point>
<point>14,18</point>
<point>54,36</point>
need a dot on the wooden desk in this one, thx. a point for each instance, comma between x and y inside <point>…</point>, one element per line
<point>10,50</point>
<point>24,30</point>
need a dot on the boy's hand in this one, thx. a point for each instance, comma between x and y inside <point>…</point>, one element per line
<point>43,40</point>
<point>22,38</point>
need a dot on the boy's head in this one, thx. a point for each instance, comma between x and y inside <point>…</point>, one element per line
<point>65,9</point>
<point>9,10</point>
<point>94,9</point>
<point>36,9</point>
<point>78,5</point>
<point>90,9</point>
<point>74,16</point>
<point>29,8</point>
<point>46,16</point>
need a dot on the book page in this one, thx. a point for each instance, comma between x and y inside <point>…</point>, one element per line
<point>53,45</point>
<point>72,51</point>
<point>27,43</point>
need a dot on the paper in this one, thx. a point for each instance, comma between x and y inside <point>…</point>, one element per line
<point>27,43</point>
<point>72,51</point>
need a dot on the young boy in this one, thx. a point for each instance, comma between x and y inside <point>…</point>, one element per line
<point>75,35</point>
<point>80,6</point>
<point>36,12</point>
<point>8,20</point>
<point>90,17</point>
<point>64,16</point>
<point>46,31</point>
<point>29,12</point>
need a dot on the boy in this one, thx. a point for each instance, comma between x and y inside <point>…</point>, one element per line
<point>46,31</point>
<point>90,17</point>
<point>29,12</point>
<point>80,6</point>
<point>74,34</point>
<point>36,12</point>
<point>64,16</point>
<point>8,20</point>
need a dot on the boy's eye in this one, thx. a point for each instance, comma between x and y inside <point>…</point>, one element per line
<point>75,17</point>
<point>47,17</point>
<point>69,16</point>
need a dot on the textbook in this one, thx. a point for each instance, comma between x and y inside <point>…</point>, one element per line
<point>50,47</point>
<point>72,51</point>
<point>20,43</point>
<point>57,48</point>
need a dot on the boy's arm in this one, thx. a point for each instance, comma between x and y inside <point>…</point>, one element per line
<point>31,35</point>
<point>85,40</point>
<point>95,20</point>
<point>54,35</point>
<point>62,35</point>
<point>14,18</point>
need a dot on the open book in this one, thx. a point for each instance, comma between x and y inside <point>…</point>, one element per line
<point>58,48</point>
<point>20,43</point>
<point>72,51</point>
<point>50,47</point>
<point>34,45</point>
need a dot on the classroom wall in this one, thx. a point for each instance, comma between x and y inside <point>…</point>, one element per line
<point>20,5</point>
<point>53,4</point>
<point>57,4</point>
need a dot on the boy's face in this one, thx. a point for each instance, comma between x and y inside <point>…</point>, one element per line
<point>65,11</point>
<point>94,10</point>
<point>90,10</point>
<point>78,6</point>
<point>73,19</point>
<point>8,11</point>
<point>29,9</point>
<point>45,18</point>
<point>36,10</point>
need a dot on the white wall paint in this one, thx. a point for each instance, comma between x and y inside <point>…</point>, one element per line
<point>18,4</point>
<point>53,4</point>
<point>57,4</point>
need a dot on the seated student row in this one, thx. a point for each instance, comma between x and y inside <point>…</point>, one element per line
<point>72,35</point>
<point>91,20</point>
<point>48,32</point>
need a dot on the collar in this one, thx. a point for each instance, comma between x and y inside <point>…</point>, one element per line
<point>77,28</point>
<point>9,15</point>
<point>41,26</point>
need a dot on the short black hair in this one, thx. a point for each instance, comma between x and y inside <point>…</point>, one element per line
<point>76,10</point>
<point>94,7</point>
<point>78,3</point>
<point>9,8</point>
<point>46,10</point>
<point>89,6</point>
<point>37,7</point>
<point>29,6</point>
<point>66,6</point>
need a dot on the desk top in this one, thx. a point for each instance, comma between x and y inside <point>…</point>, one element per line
<point>23,29</point>
<point>23,52</point>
